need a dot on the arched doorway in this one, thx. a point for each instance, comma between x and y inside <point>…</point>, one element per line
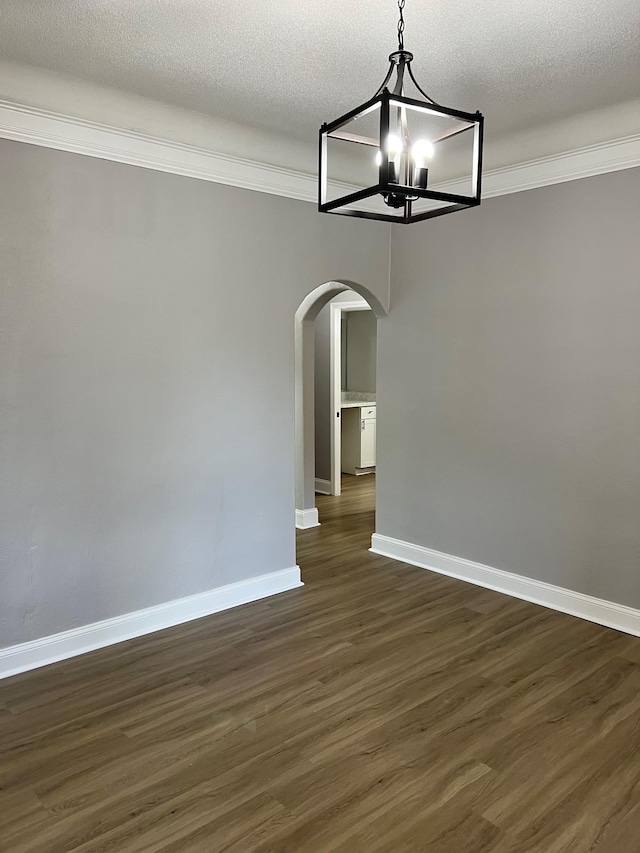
<point>306,514</point>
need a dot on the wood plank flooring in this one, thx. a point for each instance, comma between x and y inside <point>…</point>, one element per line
<point>378,708</point>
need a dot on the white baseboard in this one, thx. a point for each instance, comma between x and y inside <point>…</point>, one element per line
<point>77,641</point>
<point>323,487</point>
<point>306,518</point>
<point>598,610</point>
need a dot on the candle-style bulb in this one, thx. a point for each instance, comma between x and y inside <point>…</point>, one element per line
<point>393,146</point>
<point>421,151</point>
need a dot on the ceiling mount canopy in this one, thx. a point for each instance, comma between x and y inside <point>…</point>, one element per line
<point>403,148</point>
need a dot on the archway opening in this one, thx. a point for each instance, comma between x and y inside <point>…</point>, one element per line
<point>341,298</point>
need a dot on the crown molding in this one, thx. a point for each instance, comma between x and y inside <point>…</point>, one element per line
<point>51,130</point>
<point>572,165</point>
<point>65,133</point>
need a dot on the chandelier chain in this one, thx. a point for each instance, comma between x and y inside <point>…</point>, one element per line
<point>401,25</point>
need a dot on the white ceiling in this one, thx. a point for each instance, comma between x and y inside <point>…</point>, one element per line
<point>285,66</point>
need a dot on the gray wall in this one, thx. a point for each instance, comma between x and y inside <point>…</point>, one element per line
<point>510,372</point>
<point>343,350</point>
<point>146,381</point>
<point>361,351</point>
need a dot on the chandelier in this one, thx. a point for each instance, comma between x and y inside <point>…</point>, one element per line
<point>410,157</point>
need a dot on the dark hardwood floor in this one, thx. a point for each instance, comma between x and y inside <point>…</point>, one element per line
<point>379,708</point>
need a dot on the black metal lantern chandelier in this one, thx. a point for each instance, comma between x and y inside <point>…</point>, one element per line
<point>413,158</point>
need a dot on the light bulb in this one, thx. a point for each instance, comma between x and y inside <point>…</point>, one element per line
<point>422,150</point>
<point>394,144</point>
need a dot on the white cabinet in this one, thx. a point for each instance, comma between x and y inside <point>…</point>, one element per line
<point>358,439</point>
<point>368,443</point>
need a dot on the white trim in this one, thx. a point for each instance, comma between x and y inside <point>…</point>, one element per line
<point>335,386</point>
<point>306,518</point>
<point>77,641</point>
<point>335,394</point>
<point>323,487</point>
<point>65,133</point>
<point>598,610</point>
<point>51,130</point>
<point>558,168</point>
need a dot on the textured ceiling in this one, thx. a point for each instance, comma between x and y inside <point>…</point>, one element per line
<point>288,65</point>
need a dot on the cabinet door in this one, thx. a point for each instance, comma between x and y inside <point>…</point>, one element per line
<point>368,443</point>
